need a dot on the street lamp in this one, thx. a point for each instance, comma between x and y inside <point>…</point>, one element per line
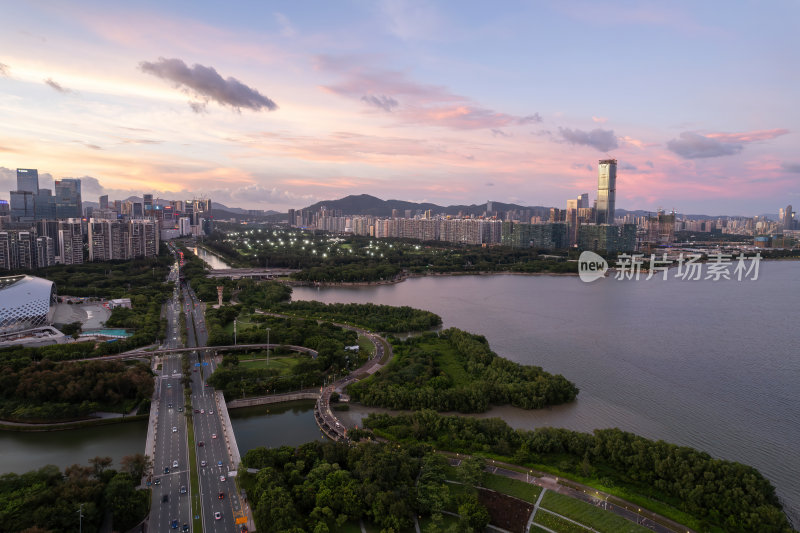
<point>267,347</point>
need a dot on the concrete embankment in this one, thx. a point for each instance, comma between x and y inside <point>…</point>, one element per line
<point>308,394</point>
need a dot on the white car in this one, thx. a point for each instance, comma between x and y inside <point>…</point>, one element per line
<point>217,516</point>
<point>222,478</point>
<point>174,429</point>
<point>211,411</point>
<point>213,435</point>
<point>174,464</point>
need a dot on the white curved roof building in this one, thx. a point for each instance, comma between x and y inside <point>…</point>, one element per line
<point>25,303</point>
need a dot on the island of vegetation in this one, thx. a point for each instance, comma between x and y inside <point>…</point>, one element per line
<point>457,371</point>
<point>679,482</point>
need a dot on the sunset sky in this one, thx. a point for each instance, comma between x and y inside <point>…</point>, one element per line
<point>276,105</point>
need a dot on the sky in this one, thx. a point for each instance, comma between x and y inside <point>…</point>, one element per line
<point>277,105</point>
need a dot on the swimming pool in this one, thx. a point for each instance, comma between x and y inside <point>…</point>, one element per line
<point>119,333</point>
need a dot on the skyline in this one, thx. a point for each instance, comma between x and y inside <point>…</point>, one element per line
<point>275,107</point>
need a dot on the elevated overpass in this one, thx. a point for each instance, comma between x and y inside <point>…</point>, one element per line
<point>254,273</point>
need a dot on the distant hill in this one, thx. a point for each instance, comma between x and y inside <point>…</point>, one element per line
<point>364,204</point>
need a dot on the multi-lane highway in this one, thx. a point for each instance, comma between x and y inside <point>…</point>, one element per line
<point>170,508</point>
<point>170,481</point>
<point>219,500</point>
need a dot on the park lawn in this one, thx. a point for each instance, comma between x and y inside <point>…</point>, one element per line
<point>449,361</point>
<point>588,514</point>
<point>512,487</point>
<point>365,346</point>
<point>556,523</point>
<point>283,364</point>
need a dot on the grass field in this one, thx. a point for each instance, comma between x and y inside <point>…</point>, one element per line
<point>512,487</point>
<point>365,346</point>
<point>283,364</point>
<point>588,514</point>
<point>557,523</point>
<point>448,359</point>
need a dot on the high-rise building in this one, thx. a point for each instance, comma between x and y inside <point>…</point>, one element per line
<point>788,220</point>
<point>45,205</point>
<point>28,180</point>
<point>104,202</point>
<point>22,206</point>
<point>68,198</point>
<point>5,209</point>
<point>147,199</point>
<point>606,190</point>
<point>70,241</point>
<point>45,252</point>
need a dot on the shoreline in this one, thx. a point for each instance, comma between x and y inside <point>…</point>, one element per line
<point>402,278</point>
<point>7,425</point>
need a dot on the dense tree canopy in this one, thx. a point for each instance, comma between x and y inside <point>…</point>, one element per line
<point>370,316</point>
<point>457,371</point>
<point>48,500</point>
<point>728,494</point>
<point>321,486</point>
<point>48,391</point>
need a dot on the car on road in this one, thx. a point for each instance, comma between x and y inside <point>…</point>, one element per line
<point>201,444</point>
<point>219,463</point>
<point>197,410</point>
<point>221,495</point>
<point>203,463</point>
<point>211,411</point>
<point>202,411</point>
<point>183,489</point>
<point>217,516</point>
<point>180,409</point>
<point>169,405</point>
<point>175,464</point>
<point>213,435</point>
<point>165,498</point>
<point>157,481</point>
<point>174,524</point>
<point>169,385</point>
<point>222,478</point>
<point>166,470</point>
<point>185,527</point>
<point>174,429</point>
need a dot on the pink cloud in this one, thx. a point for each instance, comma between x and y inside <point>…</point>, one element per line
<point>748,136</point>
<point>412,102</point>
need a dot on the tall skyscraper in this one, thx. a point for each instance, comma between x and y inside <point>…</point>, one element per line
<point>22,206</point>
<point>606,190</point>
<point>104,202</point>
<point>788,221</point>
<point>68,198</point>
<point>28,180</point>
<point>147,199</point>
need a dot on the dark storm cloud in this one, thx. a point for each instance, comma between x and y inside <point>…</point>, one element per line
<point>57,86</point>
<point>603,140</point>
<point>695,146</point>
<point>387,103</point>
<point>206,84</point>
<point>791,167</point>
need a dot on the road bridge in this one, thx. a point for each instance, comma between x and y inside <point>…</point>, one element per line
<point>254,273</point>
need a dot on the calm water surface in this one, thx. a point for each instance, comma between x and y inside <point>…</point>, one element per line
<point>212,260</point>
<point>712,365</point>
<point>23,451</point>
<point>284,424</point>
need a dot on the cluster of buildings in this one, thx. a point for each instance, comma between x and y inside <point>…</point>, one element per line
<point>580,225</point>
<point>39,228</point>
<point>589,227</point>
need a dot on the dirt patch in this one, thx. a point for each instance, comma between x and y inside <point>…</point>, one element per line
<point>506,511</point>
